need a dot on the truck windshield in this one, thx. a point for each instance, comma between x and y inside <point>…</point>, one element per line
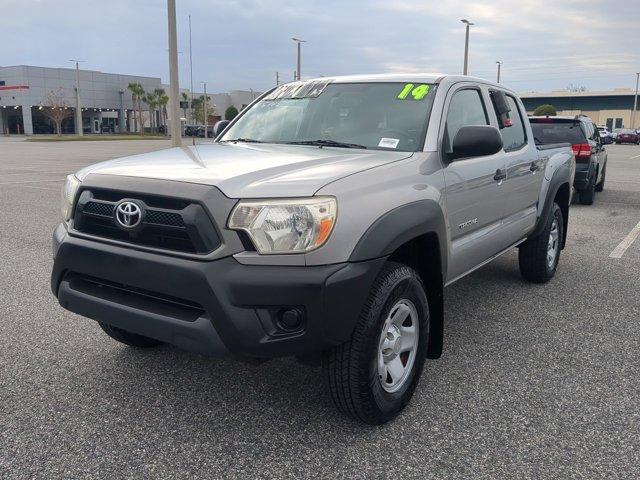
<point>379,116</point>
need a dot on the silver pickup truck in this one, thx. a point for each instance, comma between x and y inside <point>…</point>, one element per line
<point>323,222</point>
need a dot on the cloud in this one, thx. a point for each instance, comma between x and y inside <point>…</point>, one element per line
<point>543,44</point>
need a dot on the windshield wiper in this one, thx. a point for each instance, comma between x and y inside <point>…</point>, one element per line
<point>326,143</point>
<point>244,140</point>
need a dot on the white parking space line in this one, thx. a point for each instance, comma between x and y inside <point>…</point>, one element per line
<point>40,188</point>
<point>33,181</point>
<point>626,242</point>
<point>635,156</point>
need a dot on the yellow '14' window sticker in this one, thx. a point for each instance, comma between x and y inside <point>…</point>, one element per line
<point>417,92</point>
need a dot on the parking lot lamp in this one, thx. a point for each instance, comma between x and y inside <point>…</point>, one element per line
<point>499,65</point>
<point>204,110</point>
<point>466,45</point>
<point>176,136</point>
<point>298,68</point>
<point>79,131</point>
<point>635,103</point>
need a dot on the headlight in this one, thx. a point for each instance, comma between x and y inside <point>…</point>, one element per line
<point>68,196</point>
<point>286,226</point>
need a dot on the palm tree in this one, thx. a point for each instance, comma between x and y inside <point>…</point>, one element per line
<point>151,100</point>
<point>185,101</point>
<point>137,92</point>
<point>162,99</point>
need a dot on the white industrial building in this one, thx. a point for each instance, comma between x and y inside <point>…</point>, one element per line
<point>106,103</point>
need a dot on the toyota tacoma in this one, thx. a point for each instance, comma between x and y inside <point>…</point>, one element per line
<point>323,222</point>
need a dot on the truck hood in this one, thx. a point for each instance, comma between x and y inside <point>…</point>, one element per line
<point>249,170</point>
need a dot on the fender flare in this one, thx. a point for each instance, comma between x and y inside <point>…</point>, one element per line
<point>394,229</point>
<point>400,225</point>
<point>560,177</point>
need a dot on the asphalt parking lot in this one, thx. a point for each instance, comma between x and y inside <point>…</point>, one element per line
<point>537,381</point>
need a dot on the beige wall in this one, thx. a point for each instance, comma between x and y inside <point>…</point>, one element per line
<point>600,116</point>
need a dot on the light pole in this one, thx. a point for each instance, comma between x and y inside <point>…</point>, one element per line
<point>176,137</point>
<point>635,103</point>
<point>79,131</point>
<point>499,65</point>
<point>298,70</point>
<point>204,110</point>
<point>191,66</point>
<point>466,45</point>
<point>121,126</point>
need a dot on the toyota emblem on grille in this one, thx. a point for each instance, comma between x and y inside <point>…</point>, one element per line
<point>128,214</point>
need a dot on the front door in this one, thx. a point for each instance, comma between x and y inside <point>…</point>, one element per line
<point>473,187</point>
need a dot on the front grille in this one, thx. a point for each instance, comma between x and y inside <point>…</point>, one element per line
<point>95,208</point>
<point>167,223</point>
<point>164,218</point>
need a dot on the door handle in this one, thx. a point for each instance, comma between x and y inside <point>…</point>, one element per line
<point>500,175</point>
<point>534,167</point>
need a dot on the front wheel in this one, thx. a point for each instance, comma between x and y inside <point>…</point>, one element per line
<point>373,375</point>
<point>538,257</point>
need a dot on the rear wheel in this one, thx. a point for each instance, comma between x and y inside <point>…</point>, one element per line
<point>538,257</point>
<point>128,338</point>
<point>600,185</point>
<point>588,194</point>
<point>373,375</point>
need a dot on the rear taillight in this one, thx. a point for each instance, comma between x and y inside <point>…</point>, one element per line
<point>582,151</point>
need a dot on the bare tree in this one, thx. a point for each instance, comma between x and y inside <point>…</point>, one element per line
<point>576,88</point>
<point>56,108</point>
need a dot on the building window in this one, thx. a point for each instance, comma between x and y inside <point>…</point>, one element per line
<point>618,123</point>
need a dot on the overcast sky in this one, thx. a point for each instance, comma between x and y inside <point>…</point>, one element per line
<point>544,44</point>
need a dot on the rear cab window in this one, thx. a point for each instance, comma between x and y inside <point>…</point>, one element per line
<point>549,130</point>
<point>511,124</point>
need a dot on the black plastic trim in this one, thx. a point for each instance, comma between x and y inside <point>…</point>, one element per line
<point>231,295</point>
<point>400,225</point>
<point>560,177</point>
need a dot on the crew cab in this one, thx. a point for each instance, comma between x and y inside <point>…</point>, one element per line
<point>323,222</point>
<point>587,145</point>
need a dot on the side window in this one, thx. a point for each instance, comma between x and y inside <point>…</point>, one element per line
<point>513,134</point>
<point>588,129</point>
<point>466,108</point>
<point>596,133</point>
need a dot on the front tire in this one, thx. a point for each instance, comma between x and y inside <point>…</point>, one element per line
<point>373,375</point>
<point>129,338</point>
<point>538,257</point>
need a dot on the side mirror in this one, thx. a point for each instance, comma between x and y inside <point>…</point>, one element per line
<point>476,141</point>
<point>219,127</point>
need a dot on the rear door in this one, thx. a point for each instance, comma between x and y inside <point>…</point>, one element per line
<point>525,170</point>
<point>474,192</point>
<point>597,145</point>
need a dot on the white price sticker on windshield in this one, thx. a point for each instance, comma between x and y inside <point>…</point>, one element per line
<point>389,142</point>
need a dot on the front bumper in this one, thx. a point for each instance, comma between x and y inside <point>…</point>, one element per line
<point>210,307</point>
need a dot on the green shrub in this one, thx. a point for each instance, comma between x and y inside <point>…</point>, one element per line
<point>230,113</point>
<point>545,110</point>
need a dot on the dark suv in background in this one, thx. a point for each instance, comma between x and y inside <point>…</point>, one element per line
<point>588,148</point>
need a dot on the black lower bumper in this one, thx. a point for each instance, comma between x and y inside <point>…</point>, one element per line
<point>211,307</point>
